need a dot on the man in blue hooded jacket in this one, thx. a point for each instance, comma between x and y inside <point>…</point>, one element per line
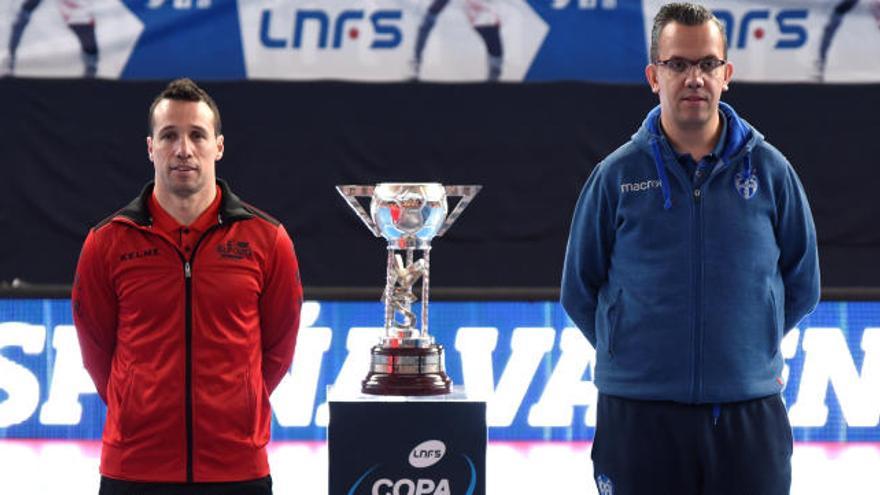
<point>692,252</point>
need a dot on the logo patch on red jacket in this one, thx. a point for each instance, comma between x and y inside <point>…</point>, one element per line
<point>235,250</point>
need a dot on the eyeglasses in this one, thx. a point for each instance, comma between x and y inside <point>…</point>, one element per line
<point>680,65</point>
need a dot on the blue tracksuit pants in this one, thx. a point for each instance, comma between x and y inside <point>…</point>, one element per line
<point>669,448</point>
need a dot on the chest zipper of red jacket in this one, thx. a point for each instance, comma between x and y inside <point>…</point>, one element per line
<point>187,275</point>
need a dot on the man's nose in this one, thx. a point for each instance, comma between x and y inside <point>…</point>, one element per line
<point>694,77</point>
<point>184,147</point>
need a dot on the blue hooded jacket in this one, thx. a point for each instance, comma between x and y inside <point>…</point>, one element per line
<point>686,292</point>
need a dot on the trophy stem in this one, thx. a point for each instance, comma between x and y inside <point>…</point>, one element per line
<point>426,281</point>
<point>389,288</point>
<point>409,262</point>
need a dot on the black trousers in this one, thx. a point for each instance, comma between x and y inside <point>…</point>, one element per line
<point>669,448</point>
<point>110,486</point>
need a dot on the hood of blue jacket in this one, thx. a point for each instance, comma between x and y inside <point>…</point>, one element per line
<point>740,140</point>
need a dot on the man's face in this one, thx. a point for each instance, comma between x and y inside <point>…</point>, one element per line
<point>690,98</point>
<point>184,147</point>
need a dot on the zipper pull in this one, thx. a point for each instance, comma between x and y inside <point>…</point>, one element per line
<point>716,413</point>
<point>187,270</point>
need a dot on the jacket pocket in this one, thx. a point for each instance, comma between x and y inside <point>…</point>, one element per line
<point>124,412</point>
<point>262,427</point>
<point>775,331</point>
<point>119,397</point>
<point>614,311</point>
<point>251,403</point>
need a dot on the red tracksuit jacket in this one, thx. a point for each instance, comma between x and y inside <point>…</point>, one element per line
<point>185,347</point>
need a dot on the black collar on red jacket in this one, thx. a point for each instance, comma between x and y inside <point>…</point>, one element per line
<point>231,208</point>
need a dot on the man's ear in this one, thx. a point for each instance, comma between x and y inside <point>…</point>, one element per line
<point>728,75</point>
<point>651,76</point>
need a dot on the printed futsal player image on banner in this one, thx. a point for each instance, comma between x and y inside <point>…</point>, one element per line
<point>841,9</point>
<point>485,21</point>
<point>77,15</point>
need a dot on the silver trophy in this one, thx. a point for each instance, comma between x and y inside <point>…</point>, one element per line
<point>407,361</point>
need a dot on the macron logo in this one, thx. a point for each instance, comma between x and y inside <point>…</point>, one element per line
<point>639,186</point>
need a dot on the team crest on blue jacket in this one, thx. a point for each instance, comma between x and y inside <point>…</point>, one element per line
<point>746,188</point>
<point>604,484</point>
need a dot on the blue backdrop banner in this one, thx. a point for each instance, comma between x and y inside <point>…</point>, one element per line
<point>525,359</point>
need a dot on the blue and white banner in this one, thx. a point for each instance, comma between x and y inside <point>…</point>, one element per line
<point>431,40</point>
<point>525,359</point>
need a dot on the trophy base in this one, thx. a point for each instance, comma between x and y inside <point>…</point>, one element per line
<point>407,371</point>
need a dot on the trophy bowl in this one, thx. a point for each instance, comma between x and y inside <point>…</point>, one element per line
<point>409,214</point>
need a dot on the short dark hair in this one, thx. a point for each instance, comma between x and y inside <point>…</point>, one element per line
<point>184,89</point>
<point>688,14</point>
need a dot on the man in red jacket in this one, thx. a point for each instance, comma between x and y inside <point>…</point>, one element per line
<point>186,303</point>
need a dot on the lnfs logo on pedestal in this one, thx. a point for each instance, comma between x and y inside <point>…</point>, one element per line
<point>424,455</point>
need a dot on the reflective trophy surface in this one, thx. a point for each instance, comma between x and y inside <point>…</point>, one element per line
<point>407,360</point>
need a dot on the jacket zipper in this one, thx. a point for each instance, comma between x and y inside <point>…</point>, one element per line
<point>187,274</point>
<point>698,329</point>
<point>187,279</point>
<point>697,333</point>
